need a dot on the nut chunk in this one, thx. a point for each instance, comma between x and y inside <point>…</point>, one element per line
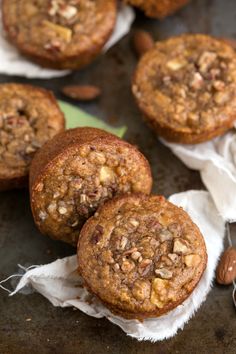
<point>186,88</point>
<point>148,272</point>
<point>78,171</point>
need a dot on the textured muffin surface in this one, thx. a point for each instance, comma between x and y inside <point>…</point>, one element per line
<point>186,88</point>
<point>59,33</point>
<point>141,255</point>
<point>88,166</point>
<point>29,116</point>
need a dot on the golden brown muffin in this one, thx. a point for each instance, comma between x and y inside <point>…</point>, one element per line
<point>186,88</point>
<point>29,116</point>
<point>76,172</point>
<point>60,34</point>
<point>141,255</point>
<point>158,8</point>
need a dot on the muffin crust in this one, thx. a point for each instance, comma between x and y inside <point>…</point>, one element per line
<point>186,88</point>
<point>76,172</point>
<point>141,255</point>
<point>29,116</point>
<point>158,8</point>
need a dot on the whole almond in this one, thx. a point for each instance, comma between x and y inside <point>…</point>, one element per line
<point>82,92</point>
<point>142,42</point>
<point>226,270</point>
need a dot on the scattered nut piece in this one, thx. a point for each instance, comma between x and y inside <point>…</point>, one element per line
<point>142,42</point>
<point>226,270</point>
<point>82,92</point>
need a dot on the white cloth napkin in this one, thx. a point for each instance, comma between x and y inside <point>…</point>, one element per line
<point>12,63</point>
<point>60,283</point>
<point>216,162</point>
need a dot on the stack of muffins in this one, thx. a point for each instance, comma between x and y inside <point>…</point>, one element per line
<point>139,254</point>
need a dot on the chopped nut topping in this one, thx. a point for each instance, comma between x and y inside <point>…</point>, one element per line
<point>218,85</point>
<point>164,273</point>
<point>176,64</point>
<point>62,210</point>
<point>165,235</point>
<point>180,247</point>
<point>106,174</point>
<point>192,260</point>
<point>42,215</point>
<point>134,222</point>
<point>158,292</point>
<point>116,267</point>
<point>127,266</point>
<point>123,242</point>
<point>135,255</point>
<point>67,11</point>
<point>206,60</point>
<point>173,257</point>
<point>63,32</point>
<point>145,263</point>
<point>197,82</point>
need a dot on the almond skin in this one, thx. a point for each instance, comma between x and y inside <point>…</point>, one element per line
<point>226,270</point>
<point>142,42</point>
<point>82,92</point>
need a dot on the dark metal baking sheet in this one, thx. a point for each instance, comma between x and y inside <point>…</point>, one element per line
<point>56,330</point>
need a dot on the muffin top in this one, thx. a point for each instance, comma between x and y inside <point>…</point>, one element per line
<point>29,116</point>
<point>141,255</point>
<point>188,84</point>
<point>58,28</point>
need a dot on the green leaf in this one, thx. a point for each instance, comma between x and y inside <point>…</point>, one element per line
<point>75,117</point>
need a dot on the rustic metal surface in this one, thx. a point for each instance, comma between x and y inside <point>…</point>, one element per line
<point>56,330</point>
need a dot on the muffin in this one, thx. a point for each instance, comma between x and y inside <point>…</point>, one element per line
<point>76,172</point>
<point>29,116</point>
<point>158,8</point>
<point>141,255</point>
<point>186,88</point>
<point>60,34</point>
